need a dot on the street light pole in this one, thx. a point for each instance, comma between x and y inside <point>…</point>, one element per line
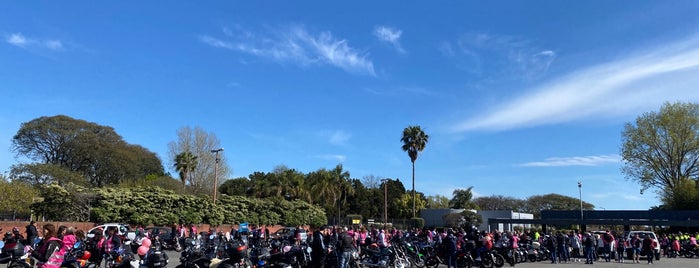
<point>216,151</point>
<point>580,191</point>
<point>385,200</point>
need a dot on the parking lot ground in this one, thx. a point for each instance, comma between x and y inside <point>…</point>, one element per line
<point>663,262</point>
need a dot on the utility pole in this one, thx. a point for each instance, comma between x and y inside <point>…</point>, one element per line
<point>580,191</point>
<point>385,200</point>
<point>218,159</point>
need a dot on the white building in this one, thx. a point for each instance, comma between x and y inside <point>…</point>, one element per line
<point>434,218</point>
<point>503,214</point>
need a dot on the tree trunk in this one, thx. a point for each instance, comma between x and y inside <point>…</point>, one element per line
<point>413,189</point>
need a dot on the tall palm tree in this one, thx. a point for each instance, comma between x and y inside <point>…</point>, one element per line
<point>324,188</point>
<point>414,141</point>
<point>341,179</point>
<point>185,163</point>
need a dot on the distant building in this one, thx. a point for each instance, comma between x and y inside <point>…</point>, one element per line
<point>503,214</point>
<point>435,218</point>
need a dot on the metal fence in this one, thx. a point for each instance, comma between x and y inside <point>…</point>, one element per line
<point>14,216</point>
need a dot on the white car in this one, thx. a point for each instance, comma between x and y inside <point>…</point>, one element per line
<point>123,229</point>
<point>600,243</point>
<point>642,235</point>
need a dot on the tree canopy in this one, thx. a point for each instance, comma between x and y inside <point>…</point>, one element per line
<point>61,146</point>
<point>661,150</point>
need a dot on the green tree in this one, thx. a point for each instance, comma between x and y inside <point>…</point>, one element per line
<point>461,198</point>
<point>394,190</point>
<point>37,174</point>
<point>498,202</point>
<point>17,196</point>
<point>685,196</point>
<point>185,163</point>
<point>365,200</point>
<point>324,190</point>
<point>96,152</point>
<point>662,148</point>
<point>437,201</point>
<point>236,187</point>
<point>535,204</point>
<point>471,217</point>
<point>403,204</point>
<point>414,141</point>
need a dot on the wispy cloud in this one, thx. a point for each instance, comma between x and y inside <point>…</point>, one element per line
<point>333,157</point>
<point>16,39</point>
<point>339,137</point>
<point>595,160</point>
<point>508,56</point>
<point>19,40</point>
<point>389,35</point>
<point>641,81</point>
<point>400,91</point>
<point>295,45</point>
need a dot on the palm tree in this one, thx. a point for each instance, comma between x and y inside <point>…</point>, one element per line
<point>414,141</point>
<point>341,179</point>
<point>462,199</point>
<point>185,162</point>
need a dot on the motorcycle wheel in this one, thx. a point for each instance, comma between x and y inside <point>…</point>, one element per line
<point>431,262</point>
<point>532,258</point>
<point>418,261</point>
<point>463,262</point>
<point>487,262</point>
<point>401,263</point>
<point>498,260</point>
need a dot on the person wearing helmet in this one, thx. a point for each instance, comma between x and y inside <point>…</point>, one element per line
<point>17,235</point>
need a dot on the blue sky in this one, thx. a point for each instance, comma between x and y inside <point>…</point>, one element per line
<point>519,98</point>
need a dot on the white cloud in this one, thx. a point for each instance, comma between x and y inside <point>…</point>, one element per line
<point>297,45</point>
<point>53,44</point>
<point>627,86</point>
<point>596,160</point>
<point>504,55</point>
<point>339,137</point>
<point>333,157</point>
<point>400,91</point>
<point>389,35</point>
<point>17,39</point>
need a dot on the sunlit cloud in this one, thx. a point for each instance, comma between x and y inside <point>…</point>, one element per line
<point>635,83</point>
<point>295,45</point>
<point>389,35</point>
<point>596,160</point>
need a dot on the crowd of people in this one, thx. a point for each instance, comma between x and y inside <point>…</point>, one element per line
<point>56,242</point>
<point>570,246</point>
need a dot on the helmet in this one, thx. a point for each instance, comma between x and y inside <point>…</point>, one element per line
<point>15,230</point>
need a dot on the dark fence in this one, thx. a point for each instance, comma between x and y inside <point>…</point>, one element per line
<point>14,216</point>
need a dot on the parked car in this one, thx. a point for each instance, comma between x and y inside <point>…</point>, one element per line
<point>642,235</point>
<point>162,231</point>
<point>286,232</point>
<point>123,230</point>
